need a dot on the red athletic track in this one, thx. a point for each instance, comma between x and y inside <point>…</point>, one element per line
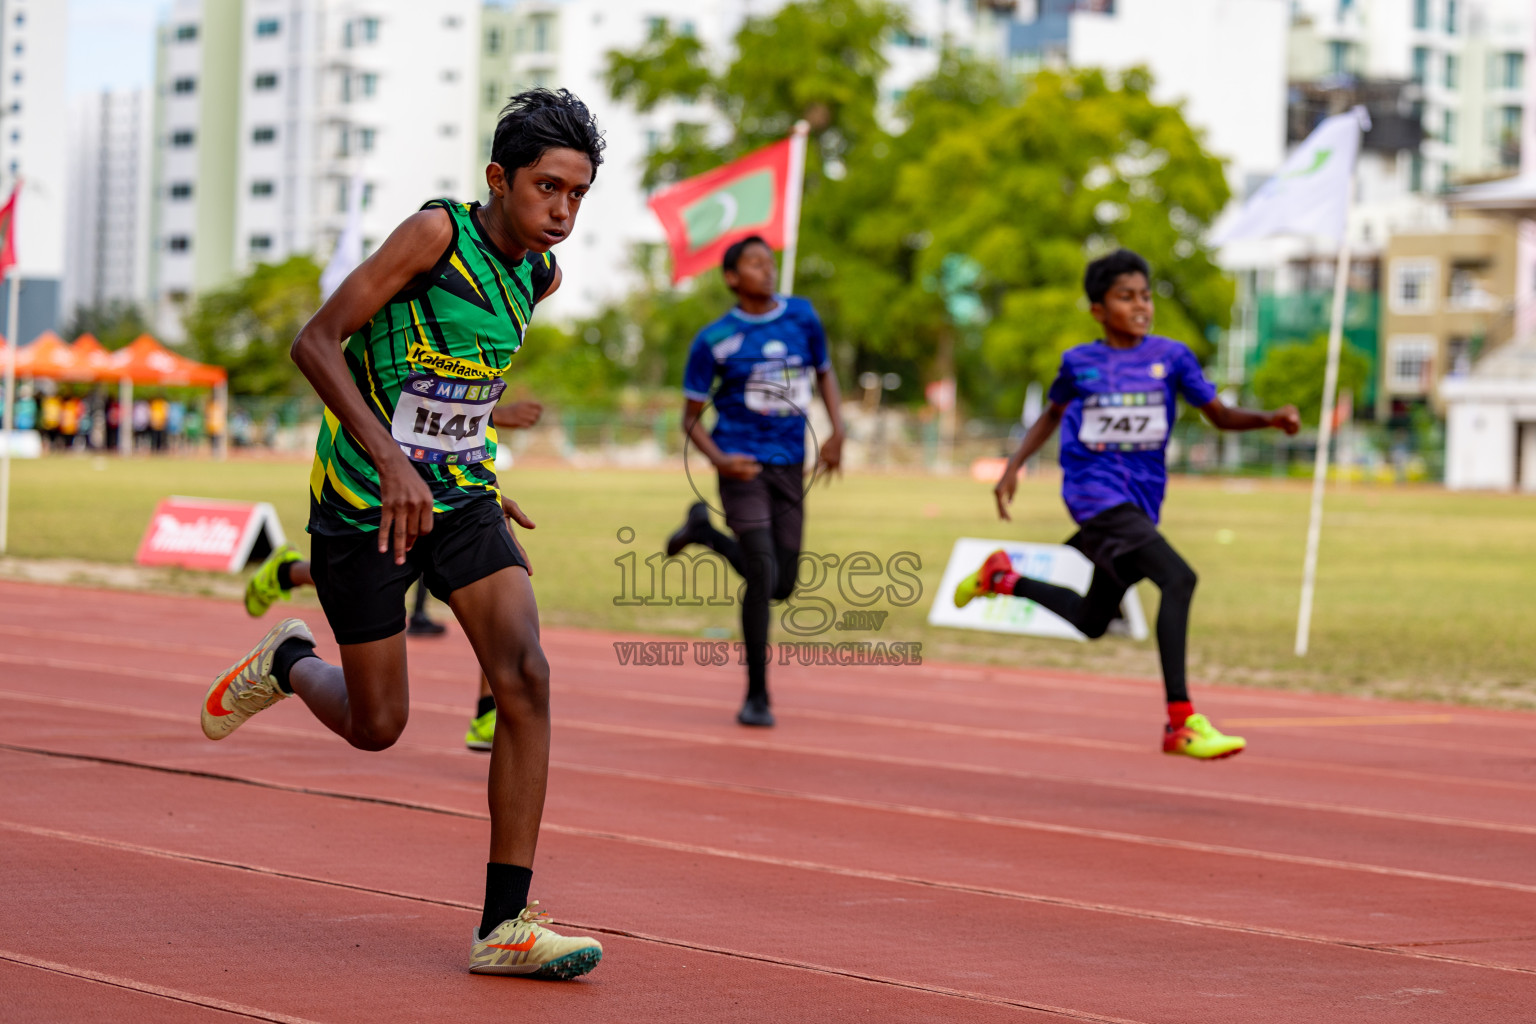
<point>943,843</point>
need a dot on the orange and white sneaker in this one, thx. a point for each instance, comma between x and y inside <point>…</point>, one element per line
<point>523,945</point>
<point>249,685</point>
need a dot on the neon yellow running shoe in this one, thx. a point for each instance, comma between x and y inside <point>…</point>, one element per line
<point>522,945</point>
<point>262,591</point>
<point>482,731</point>
<point>1197,737</point>
<point>249,685</point>
<point>979,583</point>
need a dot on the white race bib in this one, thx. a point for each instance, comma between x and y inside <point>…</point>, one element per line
<point>777,389</point>
<point>444,419</point>
<point>1124,422</point>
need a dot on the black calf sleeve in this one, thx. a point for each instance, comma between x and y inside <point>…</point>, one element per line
<point>761,572</point>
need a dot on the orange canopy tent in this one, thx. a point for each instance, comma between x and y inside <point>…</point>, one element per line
<point>92,355</point>
<point>146,361</point>
<point>50,357</point>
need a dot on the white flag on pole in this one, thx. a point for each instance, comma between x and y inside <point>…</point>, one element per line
<point>349,245</point>
<point>1309,195</point>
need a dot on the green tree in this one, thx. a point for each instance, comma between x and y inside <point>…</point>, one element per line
<point>951,237</point>
<point>248,325</point>
<point>114,323</point>
<point>1293,375</point>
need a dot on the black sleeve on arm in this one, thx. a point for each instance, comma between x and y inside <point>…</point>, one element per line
<point>543,273</point>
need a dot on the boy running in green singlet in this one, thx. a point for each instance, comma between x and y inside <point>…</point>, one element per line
<point>408,356</point>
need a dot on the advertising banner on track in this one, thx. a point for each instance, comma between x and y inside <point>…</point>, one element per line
<point>1053,563</point>
<point>204,533</point>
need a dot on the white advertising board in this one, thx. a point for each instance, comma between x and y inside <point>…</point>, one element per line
<point>1053,563</point>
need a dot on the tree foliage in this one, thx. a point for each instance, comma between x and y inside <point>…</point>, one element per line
<point>248,325</point>
<point>114,323</point>
<point>1293,375</point>
<point>1017,181</point>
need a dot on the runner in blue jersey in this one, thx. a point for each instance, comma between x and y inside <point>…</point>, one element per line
<point>760,364</point>
<point>1115,402</point>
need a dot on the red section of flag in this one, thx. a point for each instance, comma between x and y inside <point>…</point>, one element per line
<point>670,203</point>
<point>8,231</point>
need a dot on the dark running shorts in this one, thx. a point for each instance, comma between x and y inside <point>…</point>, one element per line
<point>772,500</point>
<point>363,591</point>
<point>1114,532</point>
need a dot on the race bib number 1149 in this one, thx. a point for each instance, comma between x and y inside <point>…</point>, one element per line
<point>443,419</point>
<point>1124,422</point>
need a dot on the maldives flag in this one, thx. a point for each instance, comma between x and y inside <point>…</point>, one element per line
<point>8,232</point>
<point>703,216</point>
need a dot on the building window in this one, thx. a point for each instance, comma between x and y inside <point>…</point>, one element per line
<point>367,194</point>
<point>178,243</point>
<point>493,40</point>
<point>184,86</point>
<point>182,138</point>
<point>1450,17</point>
<point>265,80</point>
<point>180,190</point>
<point>1466,286</point>
<point>368,83</point>
<point>365,139</point>
<point>655,28</point>
<point>1410,361</point>
<point>262,189</point>
<point>492,94</point>
<point>263,135</point>
<point>268,27</point>
<point>186,33</point>
<point>1413,285</point>
<point>1452,70</point>
<point>541,40</point>
<point>1341,57</point>
<point>1508,140</point>
<point>1448,128</point>
<point>261,244</point>
<point>368,29</point>
<point>447,131</point>
<point>1421,64</point>
<point>450,75</point>
<point>1421,13</point>
<point>1512,70</point>
<point>451,21</point>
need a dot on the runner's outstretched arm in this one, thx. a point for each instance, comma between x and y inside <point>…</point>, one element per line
<point>1225,417</point>
<point>411,249</point>
<point>1035,437</point>
<point>831,455</point>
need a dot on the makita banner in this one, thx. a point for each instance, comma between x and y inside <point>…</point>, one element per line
<point>203,533</point>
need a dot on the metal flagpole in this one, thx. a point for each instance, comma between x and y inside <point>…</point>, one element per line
<point>9,435</point>
<point>1324,434</point>
<point>792,194</point>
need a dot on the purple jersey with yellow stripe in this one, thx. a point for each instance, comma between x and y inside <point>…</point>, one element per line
<point>1121,406</point>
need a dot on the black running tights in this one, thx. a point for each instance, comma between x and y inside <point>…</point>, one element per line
<point>1092,612</point>
<point>770,576</point>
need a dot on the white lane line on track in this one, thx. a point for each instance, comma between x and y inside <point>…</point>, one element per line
<point>890,759</point>
<point>150,851</point>
<point>1258,931</point>
<point>208,1002</point>
<point>1037,739</point>
<point>810,866</point>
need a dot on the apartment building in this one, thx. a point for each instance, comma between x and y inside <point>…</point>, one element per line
<point>270,114</point>
<point>108,217</point>
<point>32,150</point>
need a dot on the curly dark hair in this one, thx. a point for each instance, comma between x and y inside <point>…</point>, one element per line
<point>1102,272</point>
<point>539,120</point>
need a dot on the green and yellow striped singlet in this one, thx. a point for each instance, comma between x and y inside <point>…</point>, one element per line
<point>446,340</point>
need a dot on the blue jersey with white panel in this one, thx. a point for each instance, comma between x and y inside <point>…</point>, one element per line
<point>766,366</point>
<point>1120,408</point>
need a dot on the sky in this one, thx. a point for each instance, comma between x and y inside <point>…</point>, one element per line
<point>111,44</point>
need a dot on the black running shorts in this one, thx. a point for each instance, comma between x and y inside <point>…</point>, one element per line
<point>773,500</point>
<point>363,591</point>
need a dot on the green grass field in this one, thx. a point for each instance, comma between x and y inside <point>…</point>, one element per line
<point>1421,593</point>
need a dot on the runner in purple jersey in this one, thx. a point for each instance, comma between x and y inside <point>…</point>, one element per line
<point>1115,401</point>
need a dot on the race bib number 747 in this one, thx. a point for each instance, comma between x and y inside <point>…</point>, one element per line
<point>443,419</point>
<point>1124,422</point>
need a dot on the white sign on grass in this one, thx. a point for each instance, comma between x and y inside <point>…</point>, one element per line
<point>1053,563</point>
